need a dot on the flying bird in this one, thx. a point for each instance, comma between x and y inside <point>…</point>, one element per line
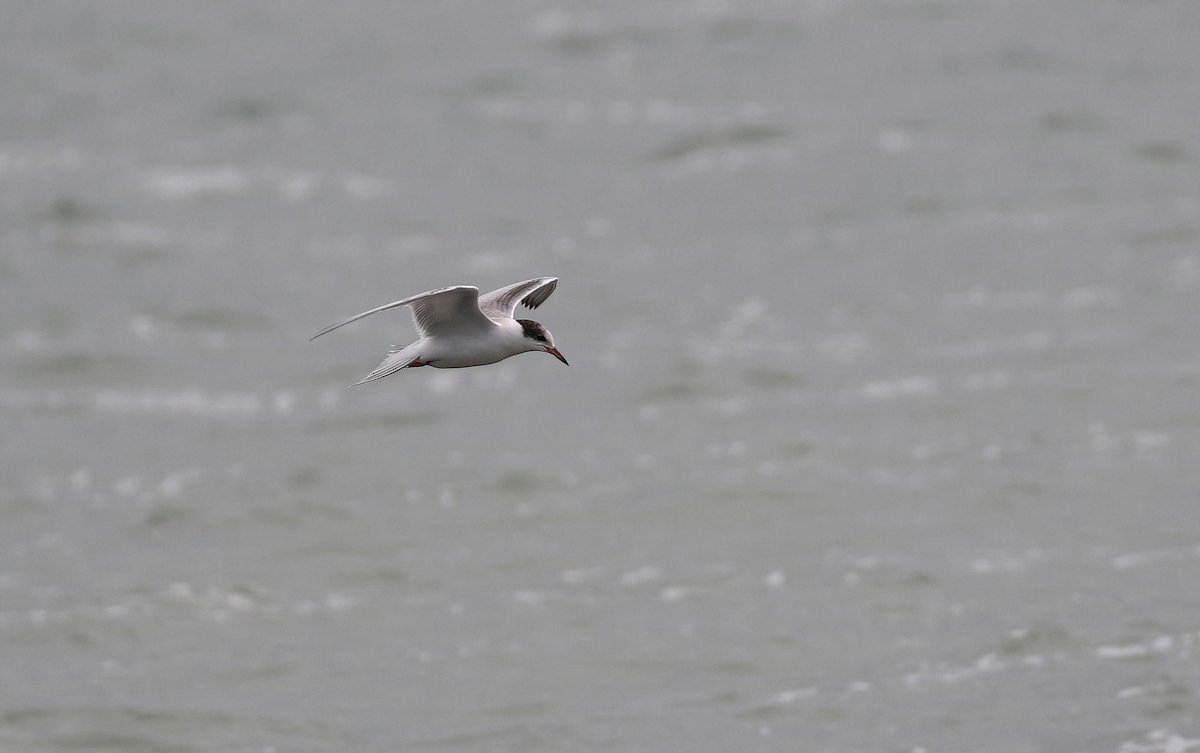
<point>458,327</point>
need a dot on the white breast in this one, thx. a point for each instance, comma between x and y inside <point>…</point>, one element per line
<point>506,339</point>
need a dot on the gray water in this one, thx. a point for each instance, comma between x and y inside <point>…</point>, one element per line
<point>880,431</point>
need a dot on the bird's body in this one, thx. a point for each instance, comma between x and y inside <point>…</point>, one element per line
<point>458,327</point>
<point>460,351</point>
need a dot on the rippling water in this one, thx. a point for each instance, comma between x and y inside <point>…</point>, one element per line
<point>880,432</point>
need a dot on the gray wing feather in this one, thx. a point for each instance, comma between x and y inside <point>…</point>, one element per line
<point>503,301</point>
<point>452,309</point>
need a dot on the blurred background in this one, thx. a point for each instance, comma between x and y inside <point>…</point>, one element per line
<point>880,431</point>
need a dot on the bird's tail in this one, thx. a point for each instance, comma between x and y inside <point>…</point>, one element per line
<point>399,357</point>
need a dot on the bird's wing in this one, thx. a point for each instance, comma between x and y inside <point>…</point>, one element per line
<point>502,303</point>
<point>445,311</point>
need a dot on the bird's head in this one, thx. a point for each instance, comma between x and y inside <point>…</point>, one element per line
<point>538,337</point>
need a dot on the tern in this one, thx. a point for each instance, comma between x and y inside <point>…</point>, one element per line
<point>458,327</point>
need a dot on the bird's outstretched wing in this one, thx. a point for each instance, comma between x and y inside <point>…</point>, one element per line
<point>445,311</point>
<point>502,303</point>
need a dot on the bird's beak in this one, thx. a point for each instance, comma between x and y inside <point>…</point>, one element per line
<point>554,352</point>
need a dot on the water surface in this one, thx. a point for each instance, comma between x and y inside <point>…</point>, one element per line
<point>879,433</point>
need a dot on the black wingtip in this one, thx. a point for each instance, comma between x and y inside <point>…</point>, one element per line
<point>540,294</point>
